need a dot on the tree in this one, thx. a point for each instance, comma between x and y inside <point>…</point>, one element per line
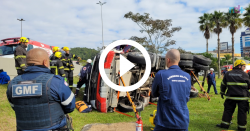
<point>246,18</point>
<point>227,57</point>
<point>206,26</point>
<point>234,22</point>
<point>182,51</point>
<point>219,21</point>
<point>158,32</point>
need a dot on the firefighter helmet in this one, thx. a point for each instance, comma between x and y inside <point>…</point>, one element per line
<point>66,48</point>
<point>24,40</point>
<point>55,49</point>
<point>58,54</point>
<point>239,62</point>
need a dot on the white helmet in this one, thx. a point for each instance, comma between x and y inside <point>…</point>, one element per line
<point>89,61</point>
<point>211,69</point>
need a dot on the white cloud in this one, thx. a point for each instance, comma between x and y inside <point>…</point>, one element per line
<point>77,23</point>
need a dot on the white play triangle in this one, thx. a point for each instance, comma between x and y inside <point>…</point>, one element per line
<point>125,65</point>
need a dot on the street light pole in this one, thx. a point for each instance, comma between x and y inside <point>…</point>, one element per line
<point>21,24</point>
<point>100,3</point>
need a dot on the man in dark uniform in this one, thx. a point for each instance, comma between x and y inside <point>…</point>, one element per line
<point>172,86</point>
<point>39,98</point>
<point>84,79</point>
<point>56,65</point>
<point>68,65</point>
<point>236,82</point>
<point>20,55</point>
<point>211,80</point>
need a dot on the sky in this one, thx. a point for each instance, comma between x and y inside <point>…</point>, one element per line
<point>77,23</point>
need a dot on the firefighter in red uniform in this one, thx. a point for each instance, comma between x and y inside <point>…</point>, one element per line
<point>20,55</point>
<point>236,82</point>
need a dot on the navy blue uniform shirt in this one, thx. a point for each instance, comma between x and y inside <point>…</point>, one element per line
<point>173,87</point>
<point>211,77</point>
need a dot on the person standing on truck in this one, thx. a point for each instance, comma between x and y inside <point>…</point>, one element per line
<point>20,55</point>
<point>235,86</point>
<point>56,65</point>
<point>55,49</point>
<point>211,80</point>
<point>84,76</point>
<point>173,87</point>
<point>67,60</point>
<point>39,98</point>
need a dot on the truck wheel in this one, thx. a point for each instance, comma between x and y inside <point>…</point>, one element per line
<point>125,106</point>
<point>138,58</point>
<point>200,67</point>
<point>185,63</point>
<point>186,57</point>
<point>200,59</point>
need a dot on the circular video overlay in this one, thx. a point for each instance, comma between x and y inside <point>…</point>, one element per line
<point>108,81</point>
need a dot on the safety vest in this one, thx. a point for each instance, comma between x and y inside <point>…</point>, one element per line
<point>34,106</point>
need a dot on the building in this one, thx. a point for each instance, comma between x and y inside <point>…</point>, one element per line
<point>245,43</point>
<point>224,48</point>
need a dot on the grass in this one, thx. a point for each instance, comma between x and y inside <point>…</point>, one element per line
<point>204,115</point>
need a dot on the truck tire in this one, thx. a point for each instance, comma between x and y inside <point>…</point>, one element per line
<point>200,67</point>
<point>186,57</point>
<point>200,59</point>
<point>138,58</point>
<point>124,106</point>
<point>185,63</point>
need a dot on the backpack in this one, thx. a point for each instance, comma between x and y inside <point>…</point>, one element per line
<point>82,107</point>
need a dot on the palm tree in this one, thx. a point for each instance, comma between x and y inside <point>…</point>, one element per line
<point>227,57</point>
<point>219,21</point>
<point>234,22</point>
<point>206,26</point>
<point>246,18</point>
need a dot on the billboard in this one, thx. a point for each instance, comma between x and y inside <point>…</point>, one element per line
<point>223,45</point>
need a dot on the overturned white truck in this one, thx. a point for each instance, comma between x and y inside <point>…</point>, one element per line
<point>105,99</point>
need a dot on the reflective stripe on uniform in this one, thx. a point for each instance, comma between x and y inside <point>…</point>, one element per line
<point>22,65</point>
<point>226,123</point>
<point>72,68</point>
<point>242,126</point>
<point>20,56</point>
<point>63,60</point>
<point>63,74</point>
<point>77,89</point>
<point>236,83</point>
<point>237,98</point>
<point>66,68</point>
<point>73,56</point>
<point>12,105</point>
<point>61,67</point>
<point>18,68</point>
<point>55,67</point>
<point>66,102</point>
<point>71,86</point>
<point>222,83</point>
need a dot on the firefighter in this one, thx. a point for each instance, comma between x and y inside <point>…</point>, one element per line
<point>55,49</point>
<point>40,99</point>
<point>84,79</point>
<point>56,65</point>
<point>20,55</point>
<point>67,60</point>
<point>235,86</point>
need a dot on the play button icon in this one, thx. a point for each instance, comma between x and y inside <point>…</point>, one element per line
<point>125,65</point>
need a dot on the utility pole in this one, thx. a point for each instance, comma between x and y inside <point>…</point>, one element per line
<point>100,3</point>
<point>21,24</point>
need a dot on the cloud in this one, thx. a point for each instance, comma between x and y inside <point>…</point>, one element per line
<point>77,23</point>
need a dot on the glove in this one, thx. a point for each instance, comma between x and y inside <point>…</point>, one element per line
<point>71,65</point>
<point>79,58</point>
<point>65,79</point>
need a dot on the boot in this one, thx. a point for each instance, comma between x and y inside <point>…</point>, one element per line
<point>222,126</point>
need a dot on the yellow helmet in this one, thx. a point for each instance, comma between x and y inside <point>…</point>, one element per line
<point>55,49</point>
<point>66,48</point>
<point>239,62</point>
<point>24,39</point>
<point>58,54</point>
